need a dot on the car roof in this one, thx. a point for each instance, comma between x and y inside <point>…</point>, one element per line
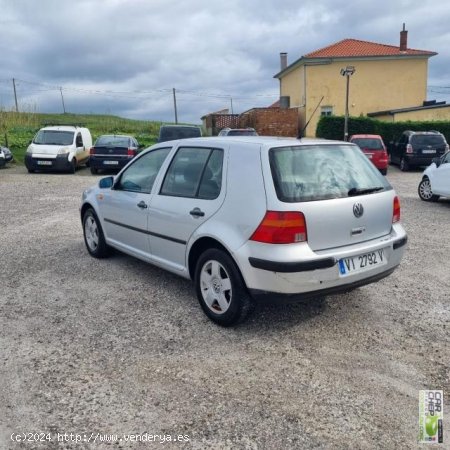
<point>180,126</point>
<point>267,141</point>
<point>62,128</point>
<point>369,136</point>
<point>115,135</point>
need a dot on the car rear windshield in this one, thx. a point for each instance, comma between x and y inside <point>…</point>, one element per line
<point>321,172</point>
<point>427,139</point>
<point>368,143</point>
<point>242,133</point>
<point>53,137</point>
<point>112,141</point>
<point>172,133</point>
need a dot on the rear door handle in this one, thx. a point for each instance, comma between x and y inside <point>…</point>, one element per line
<point>197,212</point>
<point>142,204</point>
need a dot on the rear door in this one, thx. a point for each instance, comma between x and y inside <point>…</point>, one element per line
<point>344,198</point>
<point>428,145</point>
<point>191,192</point>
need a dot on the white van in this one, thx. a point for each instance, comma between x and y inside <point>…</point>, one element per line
<point>59,147</point>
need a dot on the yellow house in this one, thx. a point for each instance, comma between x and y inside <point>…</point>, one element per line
<point>385,77</point>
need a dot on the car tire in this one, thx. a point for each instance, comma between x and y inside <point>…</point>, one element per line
<point>425,192</point>
<point>94,171</point>
<point>93,235</point>
<point>73,166</point>
<point>404,166</point>
<point>383,172</point>
<point>31,170</point>
<point>220,288</point>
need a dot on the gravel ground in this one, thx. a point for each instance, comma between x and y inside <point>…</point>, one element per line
<point>117,346</point>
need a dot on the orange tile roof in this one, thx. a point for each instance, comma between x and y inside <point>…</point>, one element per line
<point>357,48</point>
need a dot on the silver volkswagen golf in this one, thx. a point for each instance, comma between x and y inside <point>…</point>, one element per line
<point>250,217</point>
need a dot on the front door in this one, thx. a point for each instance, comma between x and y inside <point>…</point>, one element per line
<point>125,206</point>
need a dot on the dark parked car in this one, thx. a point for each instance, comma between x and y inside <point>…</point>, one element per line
<point>8,156</point>
<point>417,148</point>
<point>175,132</point>
<point>112,152</point>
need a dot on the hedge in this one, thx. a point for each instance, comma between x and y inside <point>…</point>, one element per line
<point>332,127</point>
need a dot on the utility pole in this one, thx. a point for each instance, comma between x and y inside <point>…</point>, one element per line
<point>231,102</point>
<point>62,98</point>
<point>15,95</point>
<point>175,105</point>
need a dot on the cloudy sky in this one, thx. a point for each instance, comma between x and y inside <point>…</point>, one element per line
<point>124,57</point>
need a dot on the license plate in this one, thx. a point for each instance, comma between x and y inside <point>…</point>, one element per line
<point>44,163</point>
<point>431,150</point>
<point>361,263</point>
<point>111,163</point>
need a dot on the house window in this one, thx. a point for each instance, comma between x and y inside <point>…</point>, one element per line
<point>326,111</point>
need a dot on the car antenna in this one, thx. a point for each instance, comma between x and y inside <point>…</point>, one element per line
<point>300,135</point>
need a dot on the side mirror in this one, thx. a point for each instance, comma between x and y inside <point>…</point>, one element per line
<point>106,183</point>
<point>437,161</point>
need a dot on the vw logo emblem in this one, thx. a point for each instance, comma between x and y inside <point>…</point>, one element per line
<point>358,209</point>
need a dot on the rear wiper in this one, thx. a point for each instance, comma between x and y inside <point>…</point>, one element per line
<point>355,191</point>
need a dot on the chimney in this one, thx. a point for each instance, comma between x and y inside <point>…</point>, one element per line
<point>283,60</point>
<point>403,40</point>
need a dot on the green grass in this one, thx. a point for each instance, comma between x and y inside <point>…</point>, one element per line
<point>18,129</point>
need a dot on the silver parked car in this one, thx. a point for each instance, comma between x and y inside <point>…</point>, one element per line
<point>249,218</point>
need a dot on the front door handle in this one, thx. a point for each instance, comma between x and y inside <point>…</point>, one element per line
<point>197,212</point>
<point>142,204</point>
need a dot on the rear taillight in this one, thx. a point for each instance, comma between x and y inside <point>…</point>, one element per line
<point>91,150</point>
<point>131,152</point>
<point>396,210</point>
<point>279,227</point>
<point>409,148</point>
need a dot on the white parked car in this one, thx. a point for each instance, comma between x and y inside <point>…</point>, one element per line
<point>435,181</point>
<point>251,217</point>
<point>59,147</point>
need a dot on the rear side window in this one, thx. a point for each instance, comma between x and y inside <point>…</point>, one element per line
<point>427,139</point>
<point>369,143</point>
<point>194,173</point>
<point>309,173</point>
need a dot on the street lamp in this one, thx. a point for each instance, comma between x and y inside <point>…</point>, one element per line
<point>347,72</point>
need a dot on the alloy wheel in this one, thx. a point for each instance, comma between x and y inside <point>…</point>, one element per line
<point>215,285</point>
<point>91,233</point>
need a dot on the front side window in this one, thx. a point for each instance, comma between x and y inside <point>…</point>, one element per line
<point>53,137</point>
<point>194,173</point>
<point>79,141</point>
<point>141,175</point>
<point>320,172</point>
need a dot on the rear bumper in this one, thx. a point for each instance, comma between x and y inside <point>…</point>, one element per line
<point>420,160</point>
<point>315,273</point>
<point>274,297</point>
<point>60,163</point>
<point>109,162</point>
